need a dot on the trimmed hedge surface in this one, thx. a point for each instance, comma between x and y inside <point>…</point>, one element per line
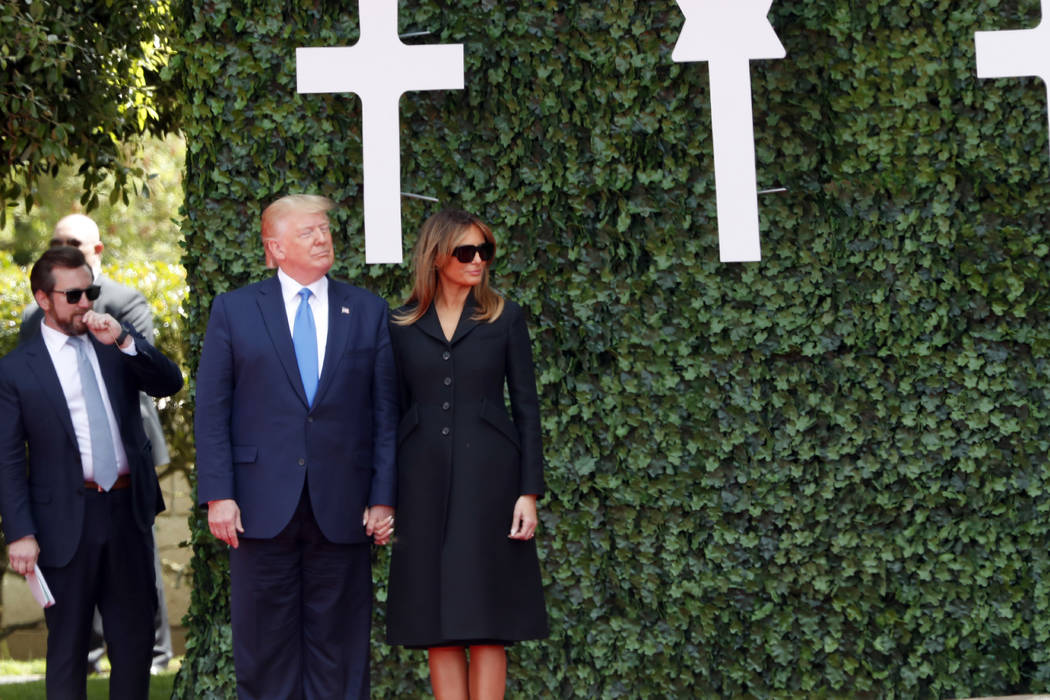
<point>821,475</point>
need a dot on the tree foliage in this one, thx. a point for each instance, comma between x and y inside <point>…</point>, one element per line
<point>822,475</point>
<point>78,80</point>
<point>144,228</point>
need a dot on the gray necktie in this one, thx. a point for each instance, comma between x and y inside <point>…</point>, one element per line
<point>103,454</point>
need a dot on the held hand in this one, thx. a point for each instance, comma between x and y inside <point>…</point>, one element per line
<point>22,554</point>
<point>523,526</point>
<point>224,520</point>
<point>104,327</point>
<point>379,523</point>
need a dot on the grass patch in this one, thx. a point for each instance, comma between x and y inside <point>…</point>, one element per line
<point>160,686</point>
<point>97,688</point>
<point>10,667</point>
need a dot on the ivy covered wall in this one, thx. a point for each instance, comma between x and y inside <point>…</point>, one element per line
<point>819,475</point>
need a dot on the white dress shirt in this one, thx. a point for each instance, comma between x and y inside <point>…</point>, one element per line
<point>318,305</point>
<point>64,358</point>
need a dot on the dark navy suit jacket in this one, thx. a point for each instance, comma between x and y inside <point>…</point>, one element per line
<point>257,439</point>
<point>127,305</point>
<point>44,494</point>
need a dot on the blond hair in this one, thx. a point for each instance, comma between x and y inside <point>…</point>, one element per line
<point>437,237</point>
<point>276,211</point>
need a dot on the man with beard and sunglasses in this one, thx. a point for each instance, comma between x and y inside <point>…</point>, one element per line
<point>128,306</point>
<point>78,492</point>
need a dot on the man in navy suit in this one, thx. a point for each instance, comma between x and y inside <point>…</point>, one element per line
<point>295,429</point>
<point>123,303</point>
<point>80,501</point>
<point>129,307</point>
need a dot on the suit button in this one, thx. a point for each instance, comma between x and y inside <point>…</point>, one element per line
<point>445,406</point>
<point>309,419</point>
<point>301,461</point>
<point>445,355</point>
<point>448,381</point>
<point>445,431</point>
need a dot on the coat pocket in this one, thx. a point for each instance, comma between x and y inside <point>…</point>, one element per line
<point>243,454</point>
<point>500,421</point>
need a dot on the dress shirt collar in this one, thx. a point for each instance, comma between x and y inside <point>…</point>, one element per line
<point>54,339</point>
<point>290,288</point>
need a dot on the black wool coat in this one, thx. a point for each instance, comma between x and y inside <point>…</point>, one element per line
<point>463,461</point>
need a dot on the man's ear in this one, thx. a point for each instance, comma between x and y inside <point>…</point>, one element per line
<point>274,252</point>
<point>42,300</point>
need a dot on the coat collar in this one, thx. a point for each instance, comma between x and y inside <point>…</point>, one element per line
<point>430,324</point>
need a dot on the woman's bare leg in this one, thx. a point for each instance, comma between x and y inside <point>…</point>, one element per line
<point>448,673</point>
<point>488,672</point>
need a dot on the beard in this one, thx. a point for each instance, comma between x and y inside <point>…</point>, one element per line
<point>74,325</point>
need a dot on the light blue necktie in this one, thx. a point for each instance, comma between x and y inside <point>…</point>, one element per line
<point>103,454</point>
<point>304,337</point>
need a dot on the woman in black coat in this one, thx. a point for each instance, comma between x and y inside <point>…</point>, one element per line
<point>464,572</point>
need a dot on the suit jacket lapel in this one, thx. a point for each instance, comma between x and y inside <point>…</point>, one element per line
<point>109,364</point>
<point>338,335</point>
<point>275,318</point>
<point>39,361</point>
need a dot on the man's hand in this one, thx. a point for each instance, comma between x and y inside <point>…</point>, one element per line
<point>379,523</point>
<point>22,554</point>
<point>104,327</point>
<point>523,524</point>
<point>224,520</point>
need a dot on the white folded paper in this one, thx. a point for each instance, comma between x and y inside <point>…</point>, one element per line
<point>38,587</point>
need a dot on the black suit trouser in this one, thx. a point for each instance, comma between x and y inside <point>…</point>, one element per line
<point>301,608</point>
<point>112,568</point>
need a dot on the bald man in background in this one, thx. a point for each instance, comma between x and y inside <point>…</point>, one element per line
<point>128,306</point>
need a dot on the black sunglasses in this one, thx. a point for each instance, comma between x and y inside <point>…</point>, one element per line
<point>55,242</point>
<point>466,253</point>
<point>73,295</point>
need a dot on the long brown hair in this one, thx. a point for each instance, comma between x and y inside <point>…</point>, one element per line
<point>436,240</point>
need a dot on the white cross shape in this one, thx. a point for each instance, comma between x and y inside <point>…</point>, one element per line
<point>1016,53</point>
<point>728,34</point>
<point>379,68</point>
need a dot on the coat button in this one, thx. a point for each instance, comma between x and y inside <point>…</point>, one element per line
<point>301,461</point>
<point>445,431</point>
<point>448,381</point>
<point>445,355</point>
<point>445,406</point>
